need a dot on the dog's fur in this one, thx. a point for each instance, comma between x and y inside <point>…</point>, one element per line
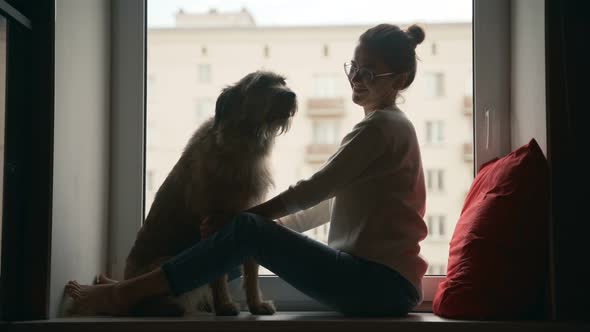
<point>223,169</point>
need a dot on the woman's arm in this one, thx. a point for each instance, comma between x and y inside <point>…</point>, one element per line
<point>271,209</point>
<point>361,147</point>
<point>308,219</point>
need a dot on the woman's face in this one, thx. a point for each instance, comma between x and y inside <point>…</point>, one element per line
<point>371,95</point>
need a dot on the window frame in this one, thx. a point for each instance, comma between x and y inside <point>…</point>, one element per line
<point>128,123</point>
<point>491,134</point>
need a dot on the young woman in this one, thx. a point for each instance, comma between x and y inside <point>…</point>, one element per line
<point>374,184</point>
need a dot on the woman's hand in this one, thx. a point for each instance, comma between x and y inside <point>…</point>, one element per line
<point>271,209</point>
<point>213,222</point>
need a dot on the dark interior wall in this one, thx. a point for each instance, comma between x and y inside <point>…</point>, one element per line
<point>566,29</point>
<point>26,8</point>
<point>28,164</point>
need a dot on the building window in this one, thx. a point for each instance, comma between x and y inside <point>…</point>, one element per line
<point>434,132</point>
<point>326,51</point>
<point>442,227</point>
<point>204,51</point>
<point>436,269</point>
<point>430,224</point>
<point>433,48</point>
<point>204,108</point>
<point>435,181</point>
<point>325,85</point>
<point>434,85</point>
<point>204,73</point>
<point>266,51</point>
<point>325,132</point>
<point>441,179</point>
<point>436,225</point>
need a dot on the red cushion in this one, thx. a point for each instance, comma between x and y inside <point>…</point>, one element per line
<point>498,256</point>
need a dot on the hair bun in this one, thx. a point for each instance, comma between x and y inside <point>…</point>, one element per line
<point>416,33</point>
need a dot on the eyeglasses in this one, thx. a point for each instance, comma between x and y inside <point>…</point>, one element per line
<point>351,70</point>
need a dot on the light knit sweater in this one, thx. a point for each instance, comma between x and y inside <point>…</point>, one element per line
<point>373,195</point>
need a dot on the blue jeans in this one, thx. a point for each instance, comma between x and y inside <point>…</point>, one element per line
<point>348,284</point>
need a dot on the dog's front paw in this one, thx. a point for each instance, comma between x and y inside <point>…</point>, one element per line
<point>227,309</point>
<point>262,308</point>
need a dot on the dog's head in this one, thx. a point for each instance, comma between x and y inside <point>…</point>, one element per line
<point>259,104</point>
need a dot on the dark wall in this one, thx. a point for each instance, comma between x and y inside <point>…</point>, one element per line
<point>24,284</point>
<point>567,78</point>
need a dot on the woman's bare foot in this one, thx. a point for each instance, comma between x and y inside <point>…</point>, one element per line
<point>102,279</point>
<point>97,299</point>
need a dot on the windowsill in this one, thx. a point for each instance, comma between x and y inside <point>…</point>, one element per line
<point>291,321</point>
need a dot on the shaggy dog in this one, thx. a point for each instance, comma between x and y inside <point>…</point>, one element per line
<point>223,169</point>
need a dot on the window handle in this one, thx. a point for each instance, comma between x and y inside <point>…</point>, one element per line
<point>487,115</point>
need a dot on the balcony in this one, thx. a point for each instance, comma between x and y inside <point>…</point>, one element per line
<point>319,153</point>
<point>467,152</point>
<point>321,106</point>
<point>467,105</point>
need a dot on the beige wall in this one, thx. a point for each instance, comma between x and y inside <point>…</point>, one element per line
<point>297,52</point>
<point>81,158</point>
<point>528,112</point>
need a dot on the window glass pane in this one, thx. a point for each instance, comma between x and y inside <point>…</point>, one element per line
<point>435,132</point>
<point>434,85</point>
<point>325,132</point>
<point>326,50</point>
<point>429,134</point>
<point>440,132</point>
<point>326,85</point>
<point>429,179</point>
<point>204,109</point>
<point>221,41</point>
<point>441,180</point>
<point>266,51</point>
<point>204,73</point>
<point>441,226</point>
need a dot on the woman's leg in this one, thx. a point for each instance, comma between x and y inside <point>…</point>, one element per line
<point>335,278</point>
<point>116,298</point>
<point>339,280</point>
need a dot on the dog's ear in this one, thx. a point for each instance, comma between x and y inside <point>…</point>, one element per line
<point>226,101</point>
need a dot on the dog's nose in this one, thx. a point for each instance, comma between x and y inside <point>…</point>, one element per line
<point>289,94</point>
